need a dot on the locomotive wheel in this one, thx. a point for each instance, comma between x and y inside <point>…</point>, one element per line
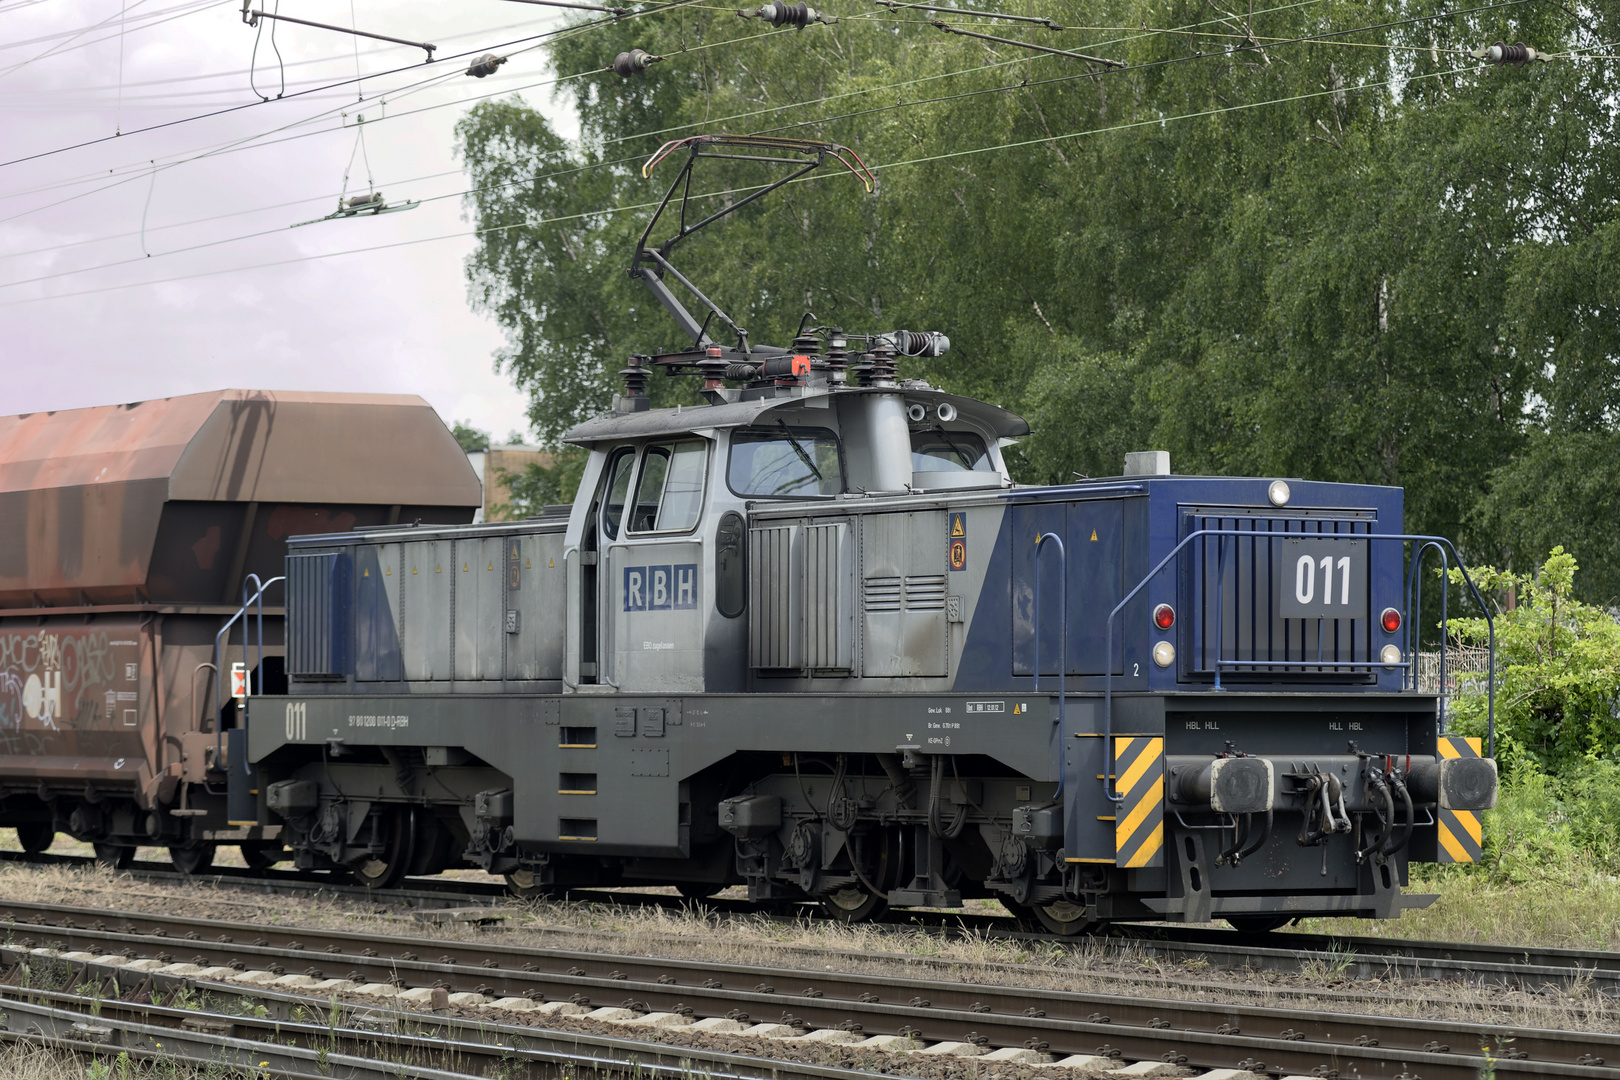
<point>262,854</point>
<point>388,869</point>
<point>1064,918</point>
<point>189,860</point>
<point>853,904</point>
<point>1258,924</point>
<point>521,884</point>
<point>114,856</point>
<point>35,836</point>
<point>697,890</point>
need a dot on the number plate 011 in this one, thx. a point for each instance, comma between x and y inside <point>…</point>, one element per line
<point>1321,579</point>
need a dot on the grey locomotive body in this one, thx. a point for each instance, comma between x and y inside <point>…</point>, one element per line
<point>790,639</point>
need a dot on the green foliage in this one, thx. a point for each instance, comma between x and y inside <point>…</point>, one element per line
<point>539,486</point>
<point>469,437</point>
<point>1558,673</point>
<point>1386,264</point>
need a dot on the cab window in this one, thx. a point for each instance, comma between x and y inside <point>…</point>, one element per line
<point>669,493</point>
<point>948,451</point>
<point>616,488</point>
<point>785,463</point>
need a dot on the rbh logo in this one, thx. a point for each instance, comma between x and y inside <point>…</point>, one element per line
<point>660,588</point>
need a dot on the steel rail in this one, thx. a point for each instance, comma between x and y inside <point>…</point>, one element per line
<point>1213,1035</point>
<point>360,1042</point>
<point>1507,966</point>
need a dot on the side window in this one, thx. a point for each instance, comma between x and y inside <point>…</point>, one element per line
<point>669,495</point>
<point>786,463</point>
<point>948,451</point>
<point>616,488</point>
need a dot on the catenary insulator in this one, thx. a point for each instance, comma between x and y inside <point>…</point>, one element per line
<point>1502,54</point>
<point>634,62</point>
<point>485,65</point>
<point>798,15</point>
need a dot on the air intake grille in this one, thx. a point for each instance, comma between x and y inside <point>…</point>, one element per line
<point>317,610</point>
<point>925,593</point>
<point>882,594</point>
<point>1230,584</point>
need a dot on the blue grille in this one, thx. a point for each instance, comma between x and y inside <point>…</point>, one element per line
<point>1229,587</point>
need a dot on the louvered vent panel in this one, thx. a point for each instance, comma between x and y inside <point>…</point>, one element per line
<point>774,621</point>
<point>881,594</point>
<point>926,593</point>
<point>826,630</point>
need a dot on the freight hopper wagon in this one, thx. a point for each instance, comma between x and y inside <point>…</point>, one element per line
<point>805,635</point>
<point>132,535</point>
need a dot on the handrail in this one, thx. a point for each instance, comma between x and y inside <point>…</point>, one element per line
<point>1063,647</point>
<point>1439,541</point>
<point>1414,602</point>
<point>219,657</point>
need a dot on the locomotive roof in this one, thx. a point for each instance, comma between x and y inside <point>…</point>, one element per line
<point>731,414</point>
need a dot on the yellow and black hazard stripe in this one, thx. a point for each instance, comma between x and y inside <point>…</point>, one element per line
<point>1461,834</point>
<point>1139,820</point>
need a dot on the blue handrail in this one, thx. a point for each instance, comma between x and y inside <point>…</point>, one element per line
<point>219,657</point>
<point>1063,646</point>
<point>1424,541</point>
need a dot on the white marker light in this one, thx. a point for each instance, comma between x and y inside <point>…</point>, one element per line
<point>1389,654</point>
<point>1278,493</point>
<point>1164,654</point>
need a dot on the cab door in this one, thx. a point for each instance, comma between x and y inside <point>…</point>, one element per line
<point>651,632</point>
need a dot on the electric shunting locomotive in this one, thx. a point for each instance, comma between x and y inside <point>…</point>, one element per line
<point>806,635</point>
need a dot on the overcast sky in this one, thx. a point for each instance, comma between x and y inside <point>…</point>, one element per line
<point>168,321</point>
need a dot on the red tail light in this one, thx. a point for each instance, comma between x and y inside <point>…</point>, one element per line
<point>1390,620</point>
<point>1164,616</point>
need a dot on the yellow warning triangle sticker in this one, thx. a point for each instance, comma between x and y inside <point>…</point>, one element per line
<point>527,565</point>
<point>464,568</point>
<point>491,565</point>
<point>551,562</point>
<point>367,572</point>
<point>413,569</point>
<point>1015,710</point>
<point>956,527</point>
<point>438,569</point>
<point>388,571</point>
<point>1094,534</point>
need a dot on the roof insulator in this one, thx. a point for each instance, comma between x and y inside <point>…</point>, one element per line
<point>634,62</point>
<point>780,14</point>
<point>485,65</point>
<point>1502,54</point>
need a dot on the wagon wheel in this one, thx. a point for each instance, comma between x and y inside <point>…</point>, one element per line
<point>262,854</point>
<point>523,885</point>
<point>190,860</point>
<point>35,836</point>
<point>1063,917</point>
<point>114,856</point>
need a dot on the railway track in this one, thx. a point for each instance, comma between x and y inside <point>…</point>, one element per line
<point>286,1035</point>
<point>1288,953</point>
<point>1089,1030</point>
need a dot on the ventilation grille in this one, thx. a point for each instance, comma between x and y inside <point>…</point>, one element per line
<point>925,593</point>
<point>772,631</point>
<point>317,631</point>
<point>882,594</point>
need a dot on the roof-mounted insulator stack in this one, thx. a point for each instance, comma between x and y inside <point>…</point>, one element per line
<point>1502,54</point>
<point>634,62</point>
<point>635,377</point>
<point>837,354</point>
<point>878,368</point>
<point>804,355</point>
<point>795,15</point>
<point>713,366</point>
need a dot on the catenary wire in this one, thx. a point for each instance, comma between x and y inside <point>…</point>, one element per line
<point>907,163</point>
